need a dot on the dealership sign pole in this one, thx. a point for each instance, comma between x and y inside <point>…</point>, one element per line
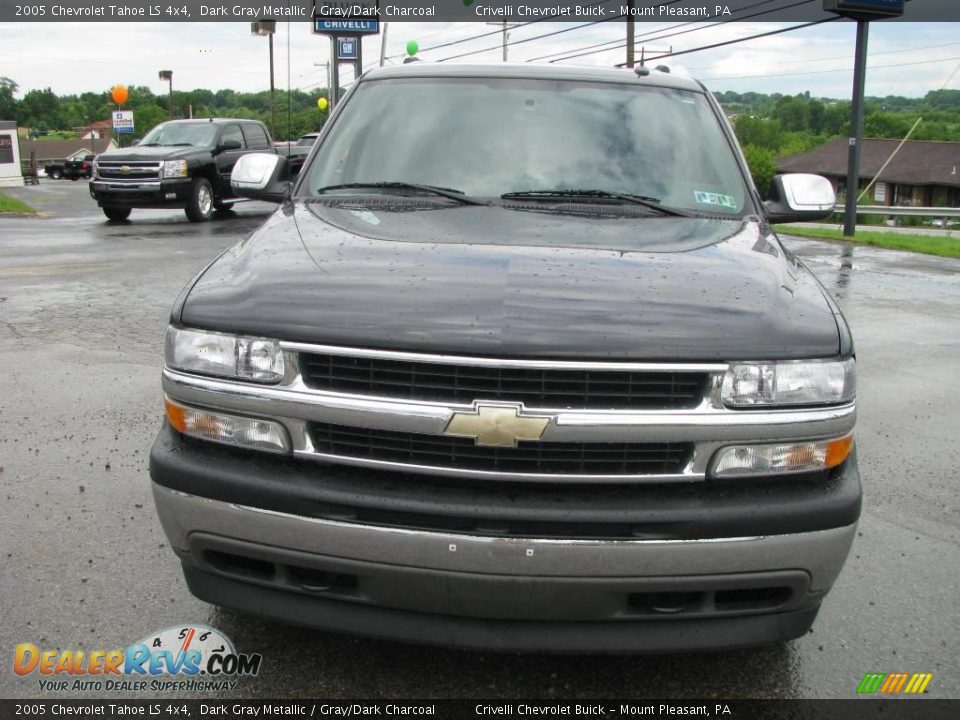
<point>345,23</point>
<point>862,11</point>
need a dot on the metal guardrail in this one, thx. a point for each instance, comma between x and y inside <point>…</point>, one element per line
<point>936,212</point>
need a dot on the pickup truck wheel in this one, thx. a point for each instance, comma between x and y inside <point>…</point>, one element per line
<point>56,174</point>
<point>117,214</point>
<point>200,206</point>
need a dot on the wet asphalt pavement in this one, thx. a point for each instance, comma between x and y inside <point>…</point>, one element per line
<point>83,308</point>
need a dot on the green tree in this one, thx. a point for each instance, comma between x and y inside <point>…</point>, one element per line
<point>763,167</point>
<point>8,103</point>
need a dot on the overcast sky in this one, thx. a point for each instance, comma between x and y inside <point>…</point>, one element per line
<point>907,58</point>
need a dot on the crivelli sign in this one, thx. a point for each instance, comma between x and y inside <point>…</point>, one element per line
<point>450,10</point>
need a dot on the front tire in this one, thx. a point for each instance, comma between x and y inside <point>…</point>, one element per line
<point>116,214</point>
<point>200,206</point>
<point>56,174</point>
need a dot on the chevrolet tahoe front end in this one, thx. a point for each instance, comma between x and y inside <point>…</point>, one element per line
<point>551,420</point>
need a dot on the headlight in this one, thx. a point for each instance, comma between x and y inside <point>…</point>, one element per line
<point>812,382</point>
<point>96,168</point>
<point>253,433</point>
<point>174,168</point>
<point>232,356</point>
<point>780,458</point>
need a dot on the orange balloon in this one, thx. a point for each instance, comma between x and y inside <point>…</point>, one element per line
<point>119,94</point>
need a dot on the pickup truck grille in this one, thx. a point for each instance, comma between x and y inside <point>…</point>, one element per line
<point>528,458</point>
<point>535,387</point>
<point>132,171</point>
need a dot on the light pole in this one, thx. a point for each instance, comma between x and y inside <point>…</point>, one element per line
<point>168,76</point>
<point>267,27</point>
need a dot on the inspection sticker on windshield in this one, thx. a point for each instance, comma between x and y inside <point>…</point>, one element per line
<point>709,198</point>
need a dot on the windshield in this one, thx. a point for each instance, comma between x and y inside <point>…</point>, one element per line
<point>181,134</point>
<point>487,137</point>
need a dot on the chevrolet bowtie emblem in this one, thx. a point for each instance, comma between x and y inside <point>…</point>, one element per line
<point>497,425</point>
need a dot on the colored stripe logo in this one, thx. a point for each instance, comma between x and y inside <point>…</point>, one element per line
<point>894,683</point>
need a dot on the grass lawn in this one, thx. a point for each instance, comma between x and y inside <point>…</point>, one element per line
<point>928,244</point>
<point>12,205</point>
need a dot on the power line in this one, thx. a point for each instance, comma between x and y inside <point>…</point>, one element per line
<point>612,44</point>
<point>684,32</point>
<point>559,32</point>
<point>849,57</point>
<point>824,72</point>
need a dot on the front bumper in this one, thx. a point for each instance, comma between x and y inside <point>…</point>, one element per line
<point>303,565</point>
<point>173,193</point>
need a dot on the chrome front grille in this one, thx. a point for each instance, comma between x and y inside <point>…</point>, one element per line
<point>595,423</point>
<point>128,171</point>
<point>548,387</point>
<point>418,449</point>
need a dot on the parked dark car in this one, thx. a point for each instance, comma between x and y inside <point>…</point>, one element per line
<point>54,170</point>
<point>536,375</point>
<point>78,168</point>
<point>178,164</point>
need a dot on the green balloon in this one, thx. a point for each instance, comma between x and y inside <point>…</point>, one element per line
<point>412,47</point>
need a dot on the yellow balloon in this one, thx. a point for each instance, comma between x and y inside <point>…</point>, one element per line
<point>322,103</point>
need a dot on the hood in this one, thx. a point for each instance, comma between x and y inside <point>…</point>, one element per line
<point>513,283</point>
<point>138,153</point>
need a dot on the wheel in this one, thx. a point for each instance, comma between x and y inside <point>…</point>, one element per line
<point>56,174</point>
<point>117,214</point>
<point>200,206</point>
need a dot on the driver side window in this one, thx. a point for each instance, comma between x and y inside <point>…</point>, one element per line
<point>232,132</point>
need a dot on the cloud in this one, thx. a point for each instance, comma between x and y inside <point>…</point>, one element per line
<point>80,57</point>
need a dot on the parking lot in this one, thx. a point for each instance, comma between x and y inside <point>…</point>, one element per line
<point>83,308</point>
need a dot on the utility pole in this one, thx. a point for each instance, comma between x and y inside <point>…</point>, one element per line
<point>268,27</point>
<point>383,44</point>
<point>630,34</point>
<point>326,67</point>
<point>856,130</point>
<point>168,76</point>
<point>506,34</point>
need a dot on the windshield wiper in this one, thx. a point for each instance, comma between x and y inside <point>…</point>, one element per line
<point>457,195</point>
<point>646,201</point>
<point>149,145</point>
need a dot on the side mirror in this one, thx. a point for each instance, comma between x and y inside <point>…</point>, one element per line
<point>229,145</point>
<point>261,176</point>
<point>800,197</point>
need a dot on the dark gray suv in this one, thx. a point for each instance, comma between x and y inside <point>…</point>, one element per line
<point>524,368</point>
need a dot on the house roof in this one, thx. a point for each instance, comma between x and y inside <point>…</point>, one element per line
<point>917,163</point>
<point>57,149</point>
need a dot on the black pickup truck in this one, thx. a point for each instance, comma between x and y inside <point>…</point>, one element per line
<point>537,376</point>
<point>79,168</point>
<point>178,164</point>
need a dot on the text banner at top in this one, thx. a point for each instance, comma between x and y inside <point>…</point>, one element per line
<point>446,11</point>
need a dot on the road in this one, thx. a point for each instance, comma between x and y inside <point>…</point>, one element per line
<point>83,308</point>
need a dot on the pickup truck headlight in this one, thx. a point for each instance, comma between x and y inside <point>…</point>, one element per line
<point>174,169</point>
<point>232,356</point>
<point>789,383</point>
<point>246,432</point>
<point>780,458</point>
